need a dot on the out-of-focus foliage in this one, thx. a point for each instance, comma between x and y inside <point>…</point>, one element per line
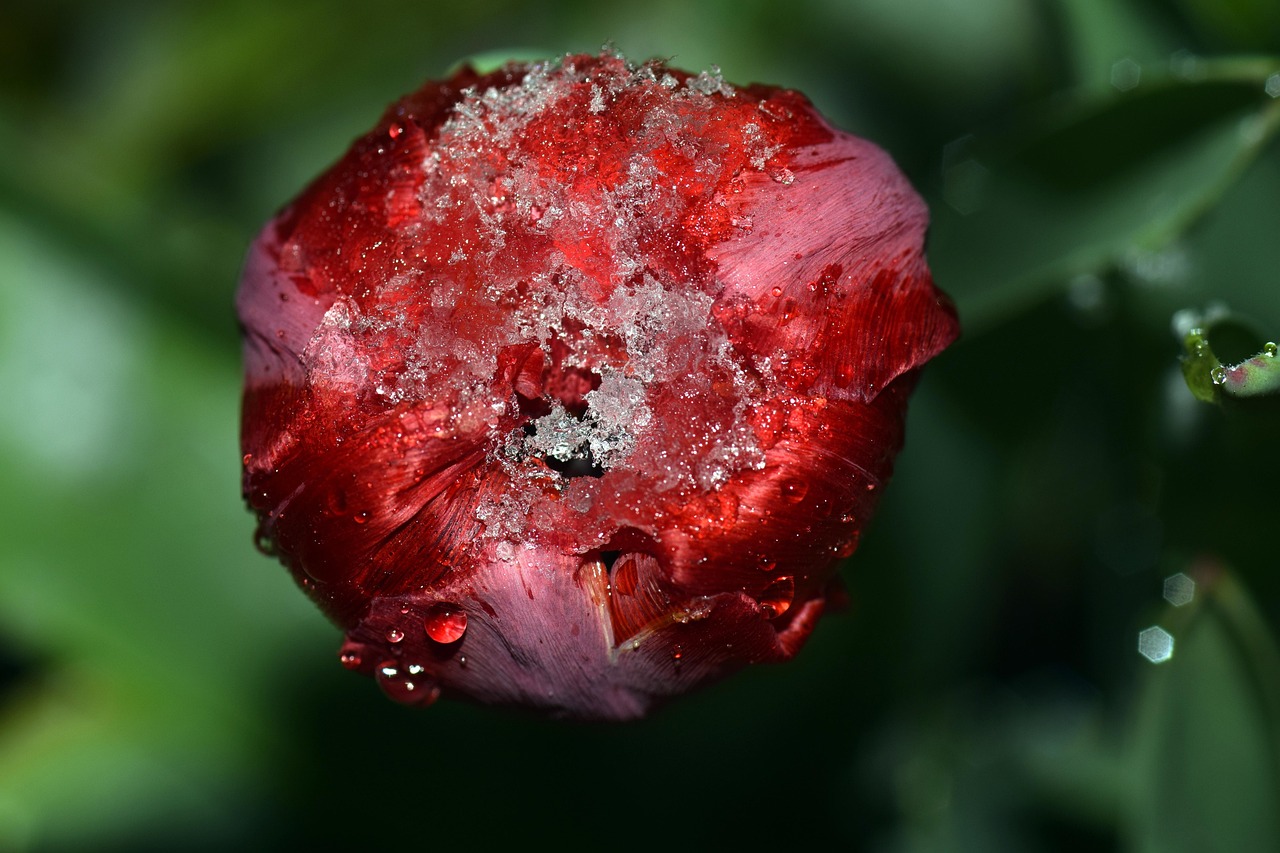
<point>1094,167</point>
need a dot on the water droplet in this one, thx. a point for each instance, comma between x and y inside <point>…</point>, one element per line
<point>789,309</point>
<point>248,457</point>
<point>336,502</point>
<point>264,543</point>
<point>844,375</point>
<point>351,655</point>
<point>777,291</point>
<point>395,129</point>
<point>1270,349</point>
<point>360,517</point>
<point>1218,375</point>
<point>394,635</point>
<point>677,653</point>
<point>777,596</point>
<point>406,688</point>
<point>445,623</point>
<point>846,548</point>
<point>793,491</point>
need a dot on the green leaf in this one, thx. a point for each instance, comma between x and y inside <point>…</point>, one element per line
<point>155,636</point>
<point>1092,183</point>
<point>1206,732</point>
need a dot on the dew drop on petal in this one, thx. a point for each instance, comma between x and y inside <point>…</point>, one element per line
<point>394,635</point>
<point>793,491</point>
<point>445,623</point>
<point>264,543</point>
<point>350,655</point>
<point>336,503</point>
<point>777,596</point>
<point>407,688</point>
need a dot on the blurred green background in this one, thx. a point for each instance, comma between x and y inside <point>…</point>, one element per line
<point>1093,167</point>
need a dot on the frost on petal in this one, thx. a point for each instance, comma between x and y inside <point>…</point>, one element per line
<point>568,386</point>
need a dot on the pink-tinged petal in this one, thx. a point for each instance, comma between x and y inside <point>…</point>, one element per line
<point>568,386</point>
<point>513,607</point>
<point>831,274</point>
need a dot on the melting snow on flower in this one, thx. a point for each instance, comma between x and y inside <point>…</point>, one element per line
<point>569,384</point>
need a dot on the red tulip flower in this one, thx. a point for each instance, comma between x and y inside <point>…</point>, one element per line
<point>570,384</point>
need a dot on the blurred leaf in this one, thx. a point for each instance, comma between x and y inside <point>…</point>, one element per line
<point>1236,24</point>
<point>1206,732</point>
<point>1106,40</point>
<point>154,631</point>
<point>1087,185</point>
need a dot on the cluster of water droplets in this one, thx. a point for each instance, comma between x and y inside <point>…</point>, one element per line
<point>392,662</point>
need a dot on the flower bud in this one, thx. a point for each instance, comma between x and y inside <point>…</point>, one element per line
<point>569,385</point>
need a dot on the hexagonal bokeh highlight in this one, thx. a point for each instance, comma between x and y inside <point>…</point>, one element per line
<point>1155,644</point>
<point>1179,589</point>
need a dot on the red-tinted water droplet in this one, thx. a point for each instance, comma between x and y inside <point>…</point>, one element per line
<point>247,458</point>
<point>789,309</point>
<point>777,596</point>
<point>844,375</point>
<point>793,491</point>
<point>264,543</point>
<point>405,686</point>
<point>335,501</point>
<point>351,655</point>
<point>394,635</point>
<point>846,548</point>
<point>677,653</point>
<point>395,129</point>
<point>767,565</point>
<point>360,517</point>
<point>445,623</point>
<point>777,291</point>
